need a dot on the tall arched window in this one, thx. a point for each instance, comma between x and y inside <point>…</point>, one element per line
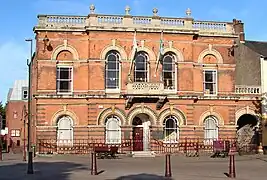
<point>171,129</point>
<point>112,70</point>
<point>65,131</point>
<point>168,70</point>
<point>141,67</point>
<point>211,128</point>
<point>113,130</point>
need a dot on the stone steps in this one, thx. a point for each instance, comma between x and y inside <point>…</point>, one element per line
<point>137,154</point>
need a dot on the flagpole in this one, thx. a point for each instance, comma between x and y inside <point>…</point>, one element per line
<point>134,51</point>
<point>160,52</point>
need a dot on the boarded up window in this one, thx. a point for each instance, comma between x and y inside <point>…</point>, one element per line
<point>64,55</point>
<point>209,59</point>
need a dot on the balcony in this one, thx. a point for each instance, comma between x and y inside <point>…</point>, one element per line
<point>145,88</point>
<point>241,89</point>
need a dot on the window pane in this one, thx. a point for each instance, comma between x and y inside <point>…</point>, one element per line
<point>112,65</point>
<point>140,76</point>
<point>167,59</point>
<point>112,57</point>
<point>208,76</point>
<point>64,73</point>
<point>64,86</point>
<point>210,87</point>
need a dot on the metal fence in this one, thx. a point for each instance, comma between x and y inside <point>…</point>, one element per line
<point>186,146</point>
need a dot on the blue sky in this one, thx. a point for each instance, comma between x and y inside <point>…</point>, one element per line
<point>18,18</point>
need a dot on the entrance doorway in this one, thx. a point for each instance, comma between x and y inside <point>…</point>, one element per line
<point>141,132</point>
<point>247,133</point>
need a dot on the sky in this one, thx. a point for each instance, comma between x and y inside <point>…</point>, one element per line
<point>18,17</point>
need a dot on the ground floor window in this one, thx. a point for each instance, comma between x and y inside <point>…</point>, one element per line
<point>113,130</point>
<point>171,130</point>
<point>210,129</point>
<point>65,131</point>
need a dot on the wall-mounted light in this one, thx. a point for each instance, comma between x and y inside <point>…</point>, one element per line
<point>47,44</point>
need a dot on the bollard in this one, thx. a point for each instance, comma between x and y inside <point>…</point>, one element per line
<point>232,166</point>
<point>93,164</point>
<point>30,164</point>
<point>168,172</point>
<point>1,155</point>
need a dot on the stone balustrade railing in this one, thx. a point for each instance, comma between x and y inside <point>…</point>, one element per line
<point>133,22</point>
<point>241,89</point>
<point>144,88</point>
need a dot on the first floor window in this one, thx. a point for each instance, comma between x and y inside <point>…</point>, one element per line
<point>170,130</point>
<point>210,82</point>
<point>210,129</point>
<point>64,79</point>
<point>15,133</point>
<point>113,130</point>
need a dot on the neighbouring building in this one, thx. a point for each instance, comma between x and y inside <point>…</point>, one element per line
<point>122,77</point>
<point>16,114</point>
<point>251,64</point>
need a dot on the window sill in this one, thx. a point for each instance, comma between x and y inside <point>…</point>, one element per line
<point>64,93</point>
<point>170,142</point>
<point>210,94</point>
<point>113,91</point>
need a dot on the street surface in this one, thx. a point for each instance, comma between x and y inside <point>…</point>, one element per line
<point>74,167</point>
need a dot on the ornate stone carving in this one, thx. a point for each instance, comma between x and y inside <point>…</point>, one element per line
<point>92,9</point>
<point>127,10</point>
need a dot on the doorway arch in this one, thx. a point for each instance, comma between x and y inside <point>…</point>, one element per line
<point>141,132</point>
<point>247,132</point>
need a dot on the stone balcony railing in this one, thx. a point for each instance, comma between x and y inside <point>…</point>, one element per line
<point>241,89</point>
<point>145,88</point>
<point>122,22</point>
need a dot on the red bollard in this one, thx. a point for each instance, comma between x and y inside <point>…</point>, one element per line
<point>232,173</point>
<point>168,172</point>
<point>93,164</point>
<point>1,155</point>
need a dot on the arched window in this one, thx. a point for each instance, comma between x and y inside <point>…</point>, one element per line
<point>168,70</point>
<point>113,130</point>
<point>171,130</point>
<point>141,67</point>
<point>210,128</point>
<point>65,131</point>
<point>112,70</point>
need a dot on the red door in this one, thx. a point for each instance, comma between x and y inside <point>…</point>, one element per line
<point>138,139</point>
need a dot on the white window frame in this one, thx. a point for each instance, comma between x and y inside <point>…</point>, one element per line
<point>111,118</point>
<point>65,142</point>
<point>115,90</point>
<point>207,130</point>
<point>175,66</point>
<point>177,129</point>
<point>216,82</point>
<point>15,133</point>
<point>147,67</point>
<point>71,84</point>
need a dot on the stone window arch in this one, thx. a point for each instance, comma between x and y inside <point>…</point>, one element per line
<point>65,131</point>
<point>210,52</point>
<point>113,130</point>
<point>65,49</point>
<point>119,49</point>
<point>112,69</point>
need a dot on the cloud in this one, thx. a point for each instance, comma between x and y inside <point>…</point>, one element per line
<point>12,65</point>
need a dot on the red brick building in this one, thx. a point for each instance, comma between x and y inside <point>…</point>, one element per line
<point>16,114</point>
<point>90,80</point>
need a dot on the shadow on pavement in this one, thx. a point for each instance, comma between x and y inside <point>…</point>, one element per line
<point>42,171</point>
<point>143,176</point>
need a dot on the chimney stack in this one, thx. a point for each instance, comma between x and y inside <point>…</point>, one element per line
<point>239,29</point>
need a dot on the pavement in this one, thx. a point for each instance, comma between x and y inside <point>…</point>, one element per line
<point>76,167</point>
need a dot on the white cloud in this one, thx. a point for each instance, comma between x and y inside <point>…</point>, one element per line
<point>12,65</point>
